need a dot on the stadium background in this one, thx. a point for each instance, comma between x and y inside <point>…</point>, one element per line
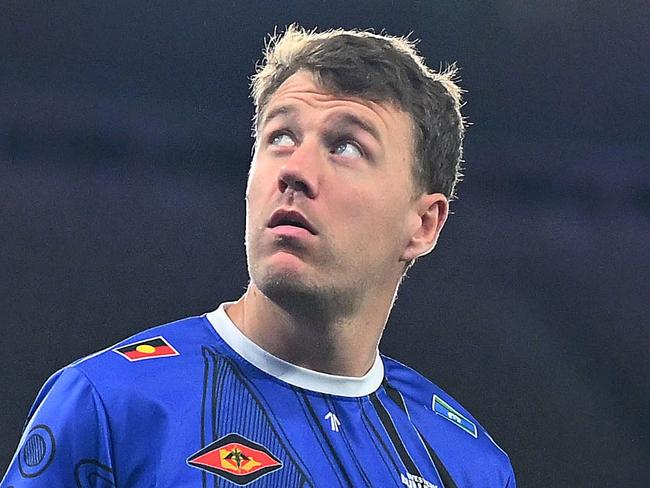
<point>124,147</point>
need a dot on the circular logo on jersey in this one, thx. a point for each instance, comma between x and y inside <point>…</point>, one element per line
<point>37,452</point>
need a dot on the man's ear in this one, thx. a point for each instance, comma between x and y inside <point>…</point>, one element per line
<point>432,210</point>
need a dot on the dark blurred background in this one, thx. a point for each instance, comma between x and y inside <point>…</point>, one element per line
<point>124,148</point>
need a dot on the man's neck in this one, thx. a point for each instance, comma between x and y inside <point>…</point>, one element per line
<point>345,346</point>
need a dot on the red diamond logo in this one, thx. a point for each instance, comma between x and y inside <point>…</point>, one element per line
<point>236,459</point>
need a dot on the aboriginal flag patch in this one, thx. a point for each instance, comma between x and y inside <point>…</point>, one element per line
<point>236,459</point>
<point>156,347</point>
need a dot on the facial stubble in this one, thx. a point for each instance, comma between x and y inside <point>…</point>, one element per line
<point>299,291</point>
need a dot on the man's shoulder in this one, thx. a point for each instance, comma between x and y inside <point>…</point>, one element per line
<point>416,386</point>
<point>164,347</point>
<point>448,422</point>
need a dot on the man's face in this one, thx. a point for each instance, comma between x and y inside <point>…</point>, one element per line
<point>330,197</point>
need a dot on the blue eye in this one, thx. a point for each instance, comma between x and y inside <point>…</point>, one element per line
<point>282,139</point>
<point>347,149</point>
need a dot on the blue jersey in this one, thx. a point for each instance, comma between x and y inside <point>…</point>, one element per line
<point>195,403</point>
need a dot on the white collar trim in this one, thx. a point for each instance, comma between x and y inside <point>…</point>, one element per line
<point>347,386</point>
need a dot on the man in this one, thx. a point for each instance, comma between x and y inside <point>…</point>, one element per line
<point>357,153</point>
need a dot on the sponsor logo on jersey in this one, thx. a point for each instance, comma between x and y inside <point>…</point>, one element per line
<point>235,458</point>
<point>413,481</point>
<point>156,347</point>
<point>448,412</point>
<point>335,423</point>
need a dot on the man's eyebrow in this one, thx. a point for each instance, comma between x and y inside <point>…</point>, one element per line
<point>343,119</point>
<point>354,120</point>
<point>282,110</point>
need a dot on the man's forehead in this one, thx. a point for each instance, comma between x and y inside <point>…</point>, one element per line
<point>303,84</point>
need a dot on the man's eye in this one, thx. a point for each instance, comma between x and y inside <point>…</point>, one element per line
<point>347,149</point>
<point>282,139</point>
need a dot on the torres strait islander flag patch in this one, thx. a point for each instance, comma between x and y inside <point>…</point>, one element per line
<point>448,412</point>
<point>156,347</point>
<point>235,458</point>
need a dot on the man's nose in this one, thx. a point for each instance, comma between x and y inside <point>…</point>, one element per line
<point>300,171</point>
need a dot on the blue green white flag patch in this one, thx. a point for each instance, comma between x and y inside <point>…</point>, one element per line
<point>445,410</point>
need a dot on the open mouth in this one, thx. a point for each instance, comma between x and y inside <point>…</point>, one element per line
<point>291,218</point>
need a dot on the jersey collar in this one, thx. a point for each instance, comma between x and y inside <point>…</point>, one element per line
<point>347,386</point>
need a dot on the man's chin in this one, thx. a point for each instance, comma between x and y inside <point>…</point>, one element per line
<point>288,287</point>
<point>304,296</point>
<point>282,267</point>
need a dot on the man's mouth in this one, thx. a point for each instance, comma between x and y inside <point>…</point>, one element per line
<point>292,218</point>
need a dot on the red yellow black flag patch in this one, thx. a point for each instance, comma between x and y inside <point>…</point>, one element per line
<point>235,458</point>
<point>156,347</point>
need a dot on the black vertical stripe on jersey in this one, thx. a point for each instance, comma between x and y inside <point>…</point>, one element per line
<point>445,477</point>
<point>324,436</point>
<point>332,409</point>
<point>388,424</point>
<point>394,395</point>
<point>206,379</point>
<point>389,455</point>
<point>302,405</point>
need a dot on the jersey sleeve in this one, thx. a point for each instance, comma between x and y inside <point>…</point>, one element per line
<point>66,441</point>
